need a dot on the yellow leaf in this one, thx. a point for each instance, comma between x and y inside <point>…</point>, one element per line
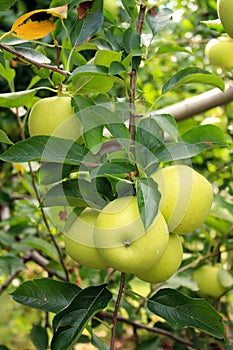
<point>36,24</point>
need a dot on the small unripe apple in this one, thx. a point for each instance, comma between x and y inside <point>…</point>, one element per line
<point>208,280</point>
<point>122,241</point>
<point>79,240</point>
<point>54,116</point>
<point>225,13</point>
<point>219,51</point>
<point>111,6</point>
<point>167,265</point>
<point>186,197</point>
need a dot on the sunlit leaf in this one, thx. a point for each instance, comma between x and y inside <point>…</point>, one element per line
<point>4,138</point>
<point>193,75</point>
<point>18,99</point>
<point>36,24</point>
<point>169,48</point>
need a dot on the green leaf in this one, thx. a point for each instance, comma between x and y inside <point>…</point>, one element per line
<point>90,79</point>
<point>93,138</point>
<point>65,193</point>
<point>4,138</point>
<point>149,133</point>
<point>79,193</point>
<point>42,245</point>
<point>47,149</point>
<point>205,136</point>
<point>7,72</point>
<point>149,136</point>
<point>18,99</point>
<point>113,168</point>
<point>46,294</point>
<point>170,48</point>
<point>182,311</point>
<point>106,57</point>
<point>39,337</point>
<point>148,198</point>
<point>98,343</point>
<point>168,124</point>
<point>85,28</point>
<point>102,115</point>
<point>131,41</point>
<point>193,75</point>
<point>158,20</point>
<point>116,68</point>
<point>214,24</point>
<point>33,55</point>
<point>6,4</point>
<point>131,8</point>
<point>177,150</point>
<point>69,323</point>
<point>88,69</point>
<point>50,173</point>
<point>10,263</point>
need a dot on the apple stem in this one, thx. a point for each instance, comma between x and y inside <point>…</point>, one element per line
<point>117,306</point>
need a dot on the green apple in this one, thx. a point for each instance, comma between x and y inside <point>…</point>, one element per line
<point>54,116</point>
<point>219,52</point>
<point>111,6</point>
<point>167,265</point>
<point>79,240</point>
<point>186,197</point>
<point>208,281</point>
<point>121,239</point>
<point>225,13</point>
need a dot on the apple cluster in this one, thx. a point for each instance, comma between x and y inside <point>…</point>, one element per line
<point>115,236</point>
<point>219,51</point>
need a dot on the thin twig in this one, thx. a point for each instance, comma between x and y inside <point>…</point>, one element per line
<point>133,79</point>
<point>34,256</point>
<point>117,306</point>
<point>108,315</point>
<point>46,223</point>
<point>8,280</point>
<point>34,63</point>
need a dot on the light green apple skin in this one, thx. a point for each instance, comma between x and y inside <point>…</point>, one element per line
<point>206,278</point>
<point>79,240</point>
<point>219,52</point>
<point>54,116</point>
<point>111,6</point>
<point>168,264</point>
<point>121,240</point>
<point>186,197</point>
<point>225,13</point>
